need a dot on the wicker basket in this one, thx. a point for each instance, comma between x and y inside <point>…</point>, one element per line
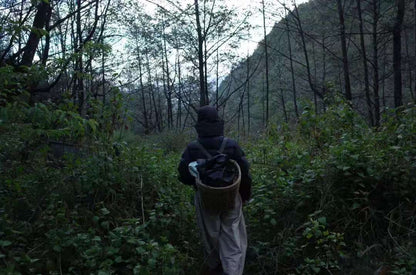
<point>219,198</point>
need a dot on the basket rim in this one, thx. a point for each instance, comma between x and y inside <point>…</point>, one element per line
<point>237,181</point>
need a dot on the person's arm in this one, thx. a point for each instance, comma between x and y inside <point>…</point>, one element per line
<point>184,175</point>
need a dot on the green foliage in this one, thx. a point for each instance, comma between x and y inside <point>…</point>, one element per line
<point>329,194</point>
<point>101,207</point>
<point>319,248</point>
<point>13,86</point>
<point>360,179</point>
<point>125,248</point>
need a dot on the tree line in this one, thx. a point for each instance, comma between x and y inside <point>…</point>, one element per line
<point>167,62</point>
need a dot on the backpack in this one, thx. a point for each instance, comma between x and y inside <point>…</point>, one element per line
<point>217,170</point>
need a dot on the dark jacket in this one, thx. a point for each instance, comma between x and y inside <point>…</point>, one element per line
<point>210,135</point>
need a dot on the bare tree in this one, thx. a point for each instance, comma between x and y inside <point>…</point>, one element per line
<point>414,43</point>
<point>203,98</point>
<point>266,56</point>
<point>397,51</point>
<point>365,66</point>
<point>248,94</point>
<point>376,16</point>
<point>292,72</point>
<point>347,82</point>
<point>305,52</point>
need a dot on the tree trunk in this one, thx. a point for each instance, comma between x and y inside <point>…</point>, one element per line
<point>168,85</point>
<point>263,117</point>
<point>45,52</point>
<point>143,98</point>
<point>409,65</point>
<point>158,107</point>
<point>243,117</point>
<point>103,74</point>
<point>248,94</point>
<point>292,72</point>
<point>42,16</point>
<point>365,66</point>
<point>203,100</point>
<point>375,65</point>
<point>324,88</point>
<point>179,114</point>
<point>383,84</point>
<point>267,65</point>
<point>315,96</point>
<point>79,81</point>
<point>347,83</point>
<point>206,70</point>
<point>19,41</point>
<point>283,105</point>
<point>414,44</point>
<point>397,51</point>
<point>152,91</point>
<point>305,52</point>
<point>217,80</point>
<point>164,82</point>
<point>240,110</point>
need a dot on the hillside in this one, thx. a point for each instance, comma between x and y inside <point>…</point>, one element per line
<point>318,21</point>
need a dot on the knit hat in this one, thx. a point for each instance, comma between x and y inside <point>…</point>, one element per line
<point>209,123</point>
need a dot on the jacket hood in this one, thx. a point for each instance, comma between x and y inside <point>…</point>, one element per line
<point>209,123</point>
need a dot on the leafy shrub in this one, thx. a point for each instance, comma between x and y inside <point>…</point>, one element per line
<point>361,179</point>
<point>328,194</point>
<point>104,207</point>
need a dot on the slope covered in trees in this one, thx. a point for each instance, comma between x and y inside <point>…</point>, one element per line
<point>363,50</point>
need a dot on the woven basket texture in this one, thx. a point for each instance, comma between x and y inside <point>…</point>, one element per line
<point>219,198</point>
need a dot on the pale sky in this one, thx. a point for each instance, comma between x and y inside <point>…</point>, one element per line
<point>274,12</point>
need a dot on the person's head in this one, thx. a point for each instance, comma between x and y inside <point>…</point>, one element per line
<point>209,123</point>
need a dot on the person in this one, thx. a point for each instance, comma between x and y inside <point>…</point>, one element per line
<point>223,232</point>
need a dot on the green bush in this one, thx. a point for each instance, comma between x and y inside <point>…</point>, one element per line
<point>361,179</point>
<point>331,195</point>
<point>102,207</point>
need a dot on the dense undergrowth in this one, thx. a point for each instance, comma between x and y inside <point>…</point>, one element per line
<point>331,196</point>
<point>335,196</point>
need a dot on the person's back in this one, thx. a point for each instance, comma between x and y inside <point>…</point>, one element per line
<point>224,234</point>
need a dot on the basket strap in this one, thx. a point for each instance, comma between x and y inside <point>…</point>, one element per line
<point>205,152</point>
<point>224,142</point>
<point>202,148</point>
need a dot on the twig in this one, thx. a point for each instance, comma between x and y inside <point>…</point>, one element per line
<point>399,225</point>
<point>60,263</point>
<point>369,248</point>
<point>141,198</point>
<point>329,271</point>
<point>397,244</point>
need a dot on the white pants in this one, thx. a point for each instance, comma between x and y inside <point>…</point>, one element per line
<point>224,236</point>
